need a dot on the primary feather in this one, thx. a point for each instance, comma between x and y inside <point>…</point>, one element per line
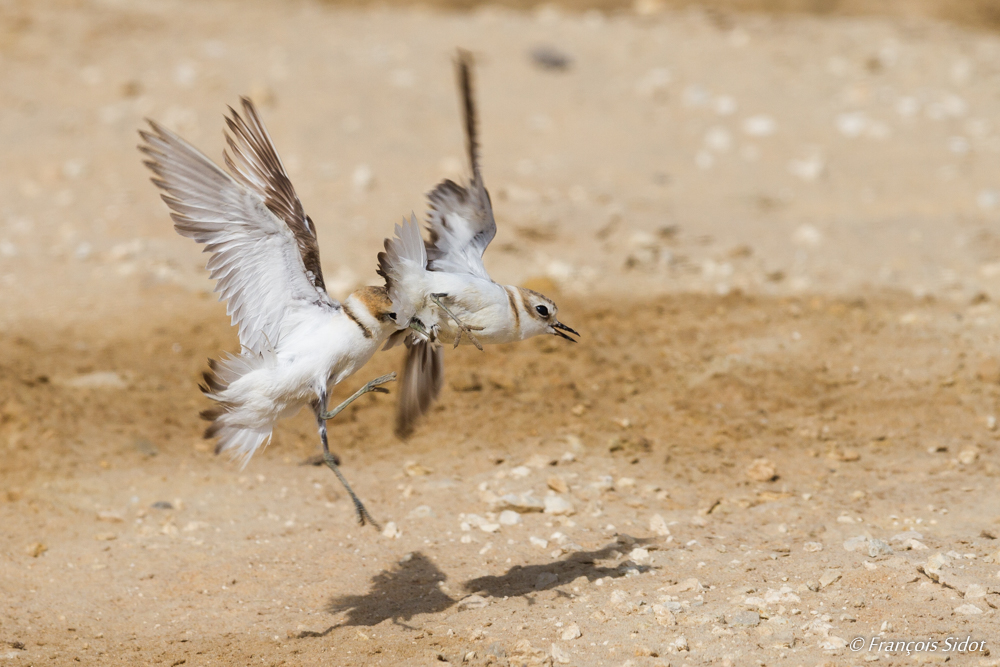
<point>461,219</point>
<point>264,254</point>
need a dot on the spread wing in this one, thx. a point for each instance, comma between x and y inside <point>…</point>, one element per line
<point>461,220</point>
<point>423,377</point>
<point>264,251</point>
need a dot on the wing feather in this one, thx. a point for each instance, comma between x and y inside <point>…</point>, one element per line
<point>264,254</point>
<point>460,219</point>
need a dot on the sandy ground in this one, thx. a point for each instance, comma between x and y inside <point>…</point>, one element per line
<point>778,237</point>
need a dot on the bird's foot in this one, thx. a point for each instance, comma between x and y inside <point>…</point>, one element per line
<point>463,328</point>
<point>333,462</point>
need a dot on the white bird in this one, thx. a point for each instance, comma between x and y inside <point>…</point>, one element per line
<point>453,295</point>
<point>297,342</point>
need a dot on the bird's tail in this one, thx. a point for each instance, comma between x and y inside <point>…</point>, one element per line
<point>236,434</point>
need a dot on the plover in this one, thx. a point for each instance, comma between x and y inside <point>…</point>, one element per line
<point>297,342</point>
<point>453,295</point>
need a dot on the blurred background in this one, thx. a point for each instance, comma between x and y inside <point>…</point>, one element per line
<point>776,224</point>
<point>775,147</point>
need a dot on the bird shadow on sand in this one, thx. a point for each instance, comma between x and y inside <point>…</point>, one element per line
<point>524,580</point>
<point>411,586</point>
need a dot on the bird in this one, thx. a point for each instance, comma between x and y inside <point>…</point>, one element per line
<point>296,341</point>
<point>455,300</point>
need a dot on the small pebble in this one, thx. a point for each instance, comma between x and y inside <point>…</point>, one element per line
<point>760,126</point>
<point>538,542</point>
<point>750,618</point>
<point>420,512</point>
<point>640,556</point>
<point>878,548</point>
<point>473,602</point>
<point>829,578</point>
<point>390,530</point>
<point>363,178</point>
<point>559,654</point>
<point>761,470</point>
<point>571,632</point>
<point>975,591</point>
<point>414,469</point>
<point>812,546</point>
<point>968,610</point>
<point>557,484</point>
<point>658,525</point>
<point>523,502</point>
<point>559,506</point>
<point>35,549</point>
<point>968,456</point>
<point>550,58</point>
<point>509,518</point>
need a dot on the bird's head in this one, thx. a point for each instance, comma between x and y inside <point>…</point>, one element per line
<point>538,316</point>
<point>374,309</point>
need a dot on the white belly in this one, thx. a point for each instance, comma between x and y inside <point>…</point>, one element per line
<point>477,303</point>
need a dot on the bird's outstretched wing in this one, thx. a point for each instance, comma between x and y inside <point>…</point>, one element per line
<point>422,379</point>
<point>264,251</point>
<point>461,220</point>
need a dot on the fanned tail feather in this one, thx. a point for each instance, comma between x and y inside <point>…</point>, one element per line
<point>423,377</point>
<point>241,441</point>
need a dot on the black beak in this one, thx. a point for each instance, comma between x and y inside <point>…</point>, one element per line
<point>560,327</point>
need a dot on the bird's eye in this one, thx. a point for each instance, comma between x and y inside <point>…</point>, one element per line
<point>542,310</point>
<point>393,316</point>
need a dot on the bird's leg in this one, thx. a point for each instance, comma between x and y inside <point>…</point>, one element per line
<point>331,460</point>
<point>462,326</point>
<point>372,386</point>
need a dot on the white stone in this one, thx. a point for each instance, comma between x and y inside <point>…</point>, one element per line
<point>832,643</point>
<point>390,530</point>
<point>571,632</point>
<point>559,654</point>
<point>420,512</point>
<point>474,602</point>
<point>760,126</point>
<point>968,610</point>
<point>975,591</point>
<point>640,556</point>
<point>509,518</point>
<point>559,506</point>
<point>363,178</point>
<point>538,542</point>
<point>658,525</point>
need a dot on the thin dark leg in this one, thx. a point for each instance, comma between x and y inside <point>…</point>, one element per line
<point>333,462</point>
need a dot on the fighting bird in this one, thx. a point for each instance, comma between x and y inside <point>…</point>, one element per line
<point>455,300</point>
<point>297,342</point>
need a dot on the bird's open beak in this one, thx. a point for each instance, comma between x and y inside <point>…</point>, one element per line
<point>558,329</point>
<point>418,326</point>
